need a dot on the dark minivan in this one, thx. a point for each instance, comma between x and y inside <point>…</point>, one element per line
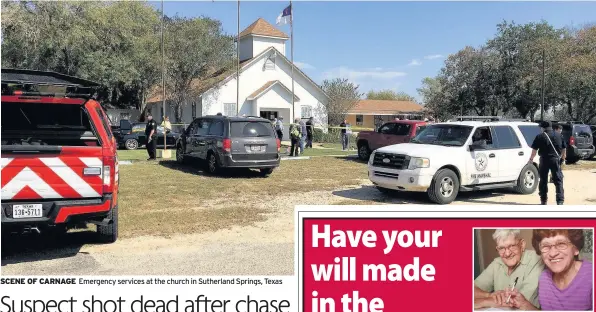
<point>580,141</point>
<point>230,142</point>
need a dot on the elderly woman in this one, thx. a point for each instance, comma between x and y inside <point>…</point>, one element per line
<point>514,262</point>
<point>566,284</point>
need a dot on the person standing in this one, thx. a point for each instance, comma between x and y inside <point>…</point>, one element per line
<point>151,134</point>
<point>303,136</point>
<point>166,124</point>
<point>279,128</point>
<point>344,135</point>
<point>552,149</point>
<point>309,131</point>
<point>295,136</point>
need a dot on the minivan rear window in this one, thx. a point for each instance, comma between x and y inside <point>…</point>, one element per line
<point>46,124</point>
<point>583,130</point>
<point>530,132</point>
<point>251,129</point>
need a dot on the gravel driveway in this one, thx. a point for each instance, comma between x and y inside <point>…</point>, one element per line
<point>264,249</point>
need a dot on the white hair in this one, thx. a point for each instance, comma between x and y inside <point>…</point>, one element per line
<point>502,234</point>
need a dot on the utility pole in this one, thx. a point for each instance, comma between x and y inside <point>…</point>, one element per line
<point>163,80</point>
<point>238,64</point>
<point>542,104</point>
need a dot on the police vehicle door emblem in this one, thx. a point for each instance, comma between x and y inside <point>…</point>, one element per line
<point>386,160</point>
<point>481,162</point>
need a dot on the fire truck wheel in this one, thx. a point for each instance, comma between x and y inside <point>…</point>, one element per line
<point>109,233</point>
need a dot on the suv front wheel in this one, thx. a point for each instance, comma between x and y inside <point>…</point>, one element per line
<point>444,187</point>
<point>180,154</point>
<point>528,180</point>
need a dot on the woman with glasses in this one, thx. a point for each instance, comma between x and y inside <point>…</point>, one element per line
<point>566,285</point>
<point>514,263</point>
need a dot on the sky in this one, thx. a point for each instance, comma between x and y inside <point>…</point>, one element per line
<point>384,44</point>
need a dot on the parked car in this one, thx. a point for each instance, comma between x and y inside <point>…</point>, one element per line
<point>447,158</point>
<point>132,136</point>
<point>230,142</point>
<point>580,141</point>
<point>593,128</point>
<point>59,156</point>
<point>392,132</point>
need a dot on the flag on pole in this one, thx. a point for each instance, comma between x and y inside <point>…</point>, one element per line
<point>285,16</point>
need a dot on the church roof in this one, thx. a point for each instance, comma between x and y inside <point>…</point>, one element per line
<point>221,76</point>
<point>385,107</point>
<point>263,28</point>
<point>268,85</point>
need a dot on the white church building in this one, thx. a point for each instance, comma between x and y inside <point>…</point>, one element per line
<point>265,84</point>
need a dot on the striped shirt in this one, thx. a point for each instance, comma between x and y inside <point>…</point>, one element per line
<point>576,297</point>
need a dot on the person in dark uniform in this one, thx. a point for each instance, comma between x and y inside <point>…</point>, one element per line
<point>309,132</point>
<point>151,133</point>
<point>552,149</point>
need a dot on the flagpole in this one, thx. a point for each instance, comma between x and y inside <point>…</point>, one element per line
<point>292,54</point>
<point>238,64</point>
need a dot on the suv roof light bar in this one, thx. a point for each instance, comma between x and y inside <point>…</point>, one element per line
<point>27,82</point>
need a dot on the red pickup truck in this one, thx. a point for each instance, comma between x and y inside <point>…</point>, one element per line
<point>59,161</point>
<point>392,132</point>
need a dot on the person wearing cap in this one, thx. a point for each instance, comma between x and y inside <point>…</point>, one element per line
<point>551,148</point>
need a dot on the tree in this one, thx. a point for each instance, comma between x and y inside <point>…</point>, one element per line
<point>575,73</point>
<point>434,99</point>
<point>343,96</point>
<point>113,43</point>
<point>195,48</point>
<point>389,95</point>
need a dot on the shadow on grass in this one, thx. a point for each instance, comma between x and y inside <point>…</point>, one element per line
<point>371,193</point>
<point>19,248</point>
<point>198,168</point>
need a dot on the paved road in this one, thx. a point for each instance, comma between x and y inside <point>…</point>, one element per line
<point>264,249</point>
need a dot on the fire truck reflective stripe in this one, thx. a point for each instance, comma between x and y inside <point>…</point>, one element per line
<point>4,162</point>
<point>28,178</point>
<point>91,161</point>
<point>70,177</point>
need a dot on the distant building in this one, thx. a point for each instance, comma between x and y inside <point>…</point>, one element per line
<point>373,113</point>
<point>265,84</point>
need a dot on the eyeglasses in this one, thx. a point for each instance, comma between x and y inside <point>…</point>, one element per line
<point>559,246</point>
<point>512,248</point>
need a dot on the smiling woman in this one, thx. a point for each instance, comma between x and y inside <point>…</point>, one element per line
<point>567,284</point>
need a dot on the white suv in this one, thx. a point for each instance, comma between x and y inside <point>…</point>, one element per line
<point>447,158</point>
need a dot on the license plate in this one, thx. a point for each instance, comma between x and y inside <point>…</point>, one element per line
<point>255,148</point>
<point>26,211</point>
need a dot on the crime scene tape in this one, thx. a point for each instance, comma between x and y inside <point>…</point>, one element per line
<point>316,127</point>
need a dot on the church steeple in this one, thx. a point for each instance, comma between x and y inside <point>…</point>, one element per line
<point>260,36</point>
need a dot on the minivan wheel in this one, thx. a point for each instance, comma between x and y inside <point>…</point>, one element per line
<point>131,144</point>
<point>444,187</point>
<point>212,165</point>
<point>528,180</point>
<point>266,171</point>
<point>363,152</point>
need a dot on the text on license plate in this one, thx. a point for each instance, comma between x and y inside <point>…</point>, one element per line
<point>26,211</point>
<point>255,148</point>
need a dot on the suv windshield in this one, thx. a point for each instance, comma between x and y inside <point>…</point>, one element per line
<point>251,129</point>
<point>447,135</point>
